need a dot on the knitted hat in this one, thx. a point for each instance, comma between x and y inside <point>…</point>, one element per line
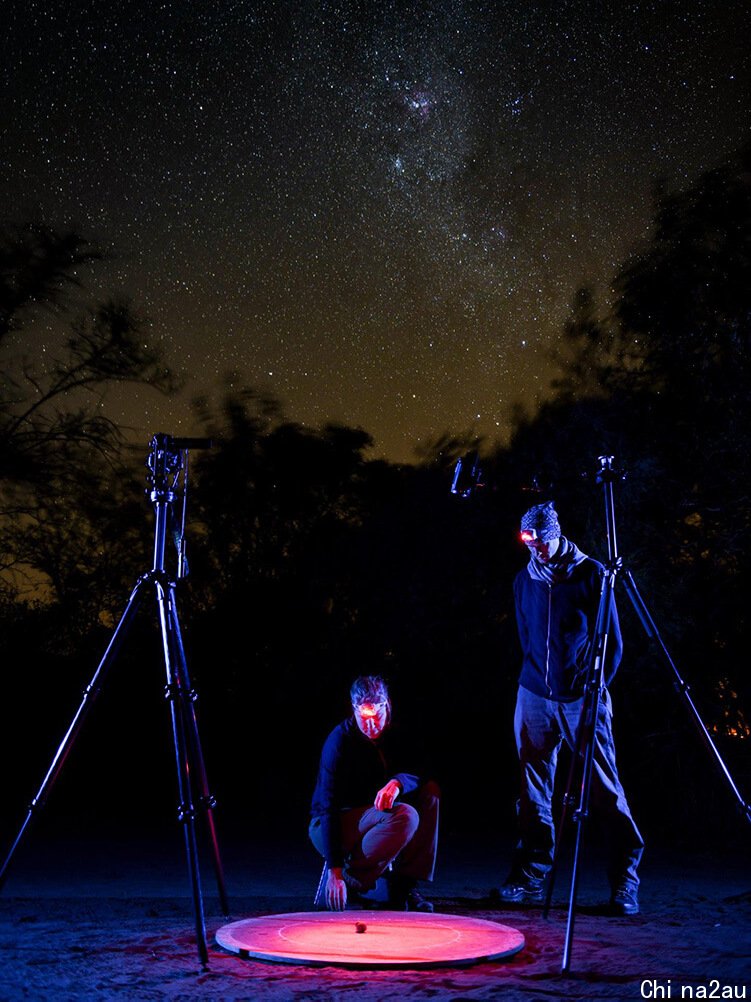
<point>543,518</point>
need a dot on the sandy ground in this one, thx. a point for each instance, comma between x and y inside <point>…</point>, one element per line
<point>113,920</point>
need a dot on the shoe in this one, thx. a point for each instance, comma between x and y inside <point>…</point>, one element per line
<point>625,900</point>
<point>523,891</point>
<point>404,897</point>
<point>356,890</point>
<point>378,895</point>
<point>417,903</point>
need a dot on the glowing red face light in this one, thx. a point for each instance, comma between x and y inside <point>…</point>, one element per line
<point>371,718</point>
<point>527,536</point>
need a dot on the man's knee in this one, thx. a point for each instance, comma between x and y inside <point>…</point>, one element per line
<point>405,817</point>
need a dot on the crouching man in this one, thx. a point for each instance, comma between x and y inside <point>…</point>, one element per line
<point>371,809</point>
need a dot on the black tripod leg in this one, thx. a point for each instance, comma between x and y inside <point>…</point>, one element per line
<point>683,689</point>
<point>568,800</point>
<point>89,696</point>
<point>186,810</point>
<point>206,799</point>
<point>588,738</point>
<point>580,816</point>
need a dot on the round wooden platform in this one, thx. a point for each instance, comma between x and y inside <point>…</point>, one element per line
<point>370,939</point>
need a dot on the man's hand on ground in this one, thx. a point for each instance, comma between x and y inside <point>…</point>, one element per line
<point>384,799</point>
<point>336,890</point>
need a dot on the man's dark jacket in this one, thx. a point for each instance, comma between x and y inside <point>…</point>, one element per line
<point>353,769</point>
<point>556,628</point>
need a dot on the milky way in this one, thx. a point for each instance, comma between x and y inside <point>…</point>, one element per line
<point>378,212</point>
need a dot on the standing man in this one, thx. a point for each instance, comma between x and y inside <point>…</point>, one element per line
<point>557,598</point>
<point>370,807</point>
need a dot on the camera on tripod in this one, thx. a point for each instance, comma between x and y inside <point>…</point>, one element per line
<point>467,475</point>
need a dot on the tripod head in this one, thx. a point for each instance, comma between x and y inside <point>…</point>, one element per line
<point>606,474</point>
<point>167,460</point>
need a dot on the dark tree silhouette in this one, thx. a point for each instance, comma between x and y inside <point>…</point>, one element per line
<point>61,460</point>
<point>37,268</point>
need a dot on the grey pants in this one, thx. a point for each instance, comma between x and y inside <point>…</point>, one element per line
<point>406,836</point>
<point>541,726</point>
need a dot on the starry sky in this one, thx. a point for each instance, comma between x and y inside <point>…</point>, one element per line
<point>378,212</point>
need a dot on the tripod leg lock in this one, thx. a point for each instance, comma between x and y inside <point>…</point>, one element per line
<point>175,691</point>
<point>186,813</point>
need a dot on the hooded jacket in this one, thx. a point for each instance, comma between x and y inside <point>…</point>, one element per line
<point>556,615</point>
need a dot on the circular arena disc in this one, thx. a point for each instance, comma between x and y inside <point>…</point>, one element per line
<point>368,939</point>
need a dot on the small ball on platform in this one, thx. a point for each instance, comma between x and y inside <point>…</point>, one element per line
<point>360,927</point>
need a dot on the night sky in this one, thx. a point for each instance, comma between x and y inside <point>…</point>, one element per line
<point>379,212</point>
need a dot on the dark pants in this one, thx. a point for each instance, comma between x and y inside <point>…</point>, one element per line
<point>541,726</point>
<point>406,836</point>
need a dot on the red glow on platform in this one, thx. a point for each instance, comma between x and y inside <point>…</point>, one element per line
<point>384,939</point>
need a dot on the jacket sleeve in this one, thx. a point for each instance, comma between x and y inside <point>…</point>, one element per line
<point>407,781</point>
<point>325,799</point>
<point>521,621</point>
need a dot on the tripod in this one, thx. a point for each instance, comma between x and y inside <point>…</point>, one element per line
<point>582,760</point>
<point>167,461</point>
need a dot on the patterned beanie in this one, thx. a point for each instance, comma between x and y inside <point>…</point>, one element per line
<point>543,518</point>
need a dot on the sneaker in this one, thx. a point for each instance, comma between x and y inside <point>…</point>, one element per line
<point>356,890</point>
<point>378,895</point>
<point>417,903</point>
<point>625,900</point>
<point>404,897</point>
<point>523,891</point>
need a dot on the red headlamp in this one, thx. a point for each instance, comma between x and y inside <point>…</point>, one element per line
<point>368,710</point>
